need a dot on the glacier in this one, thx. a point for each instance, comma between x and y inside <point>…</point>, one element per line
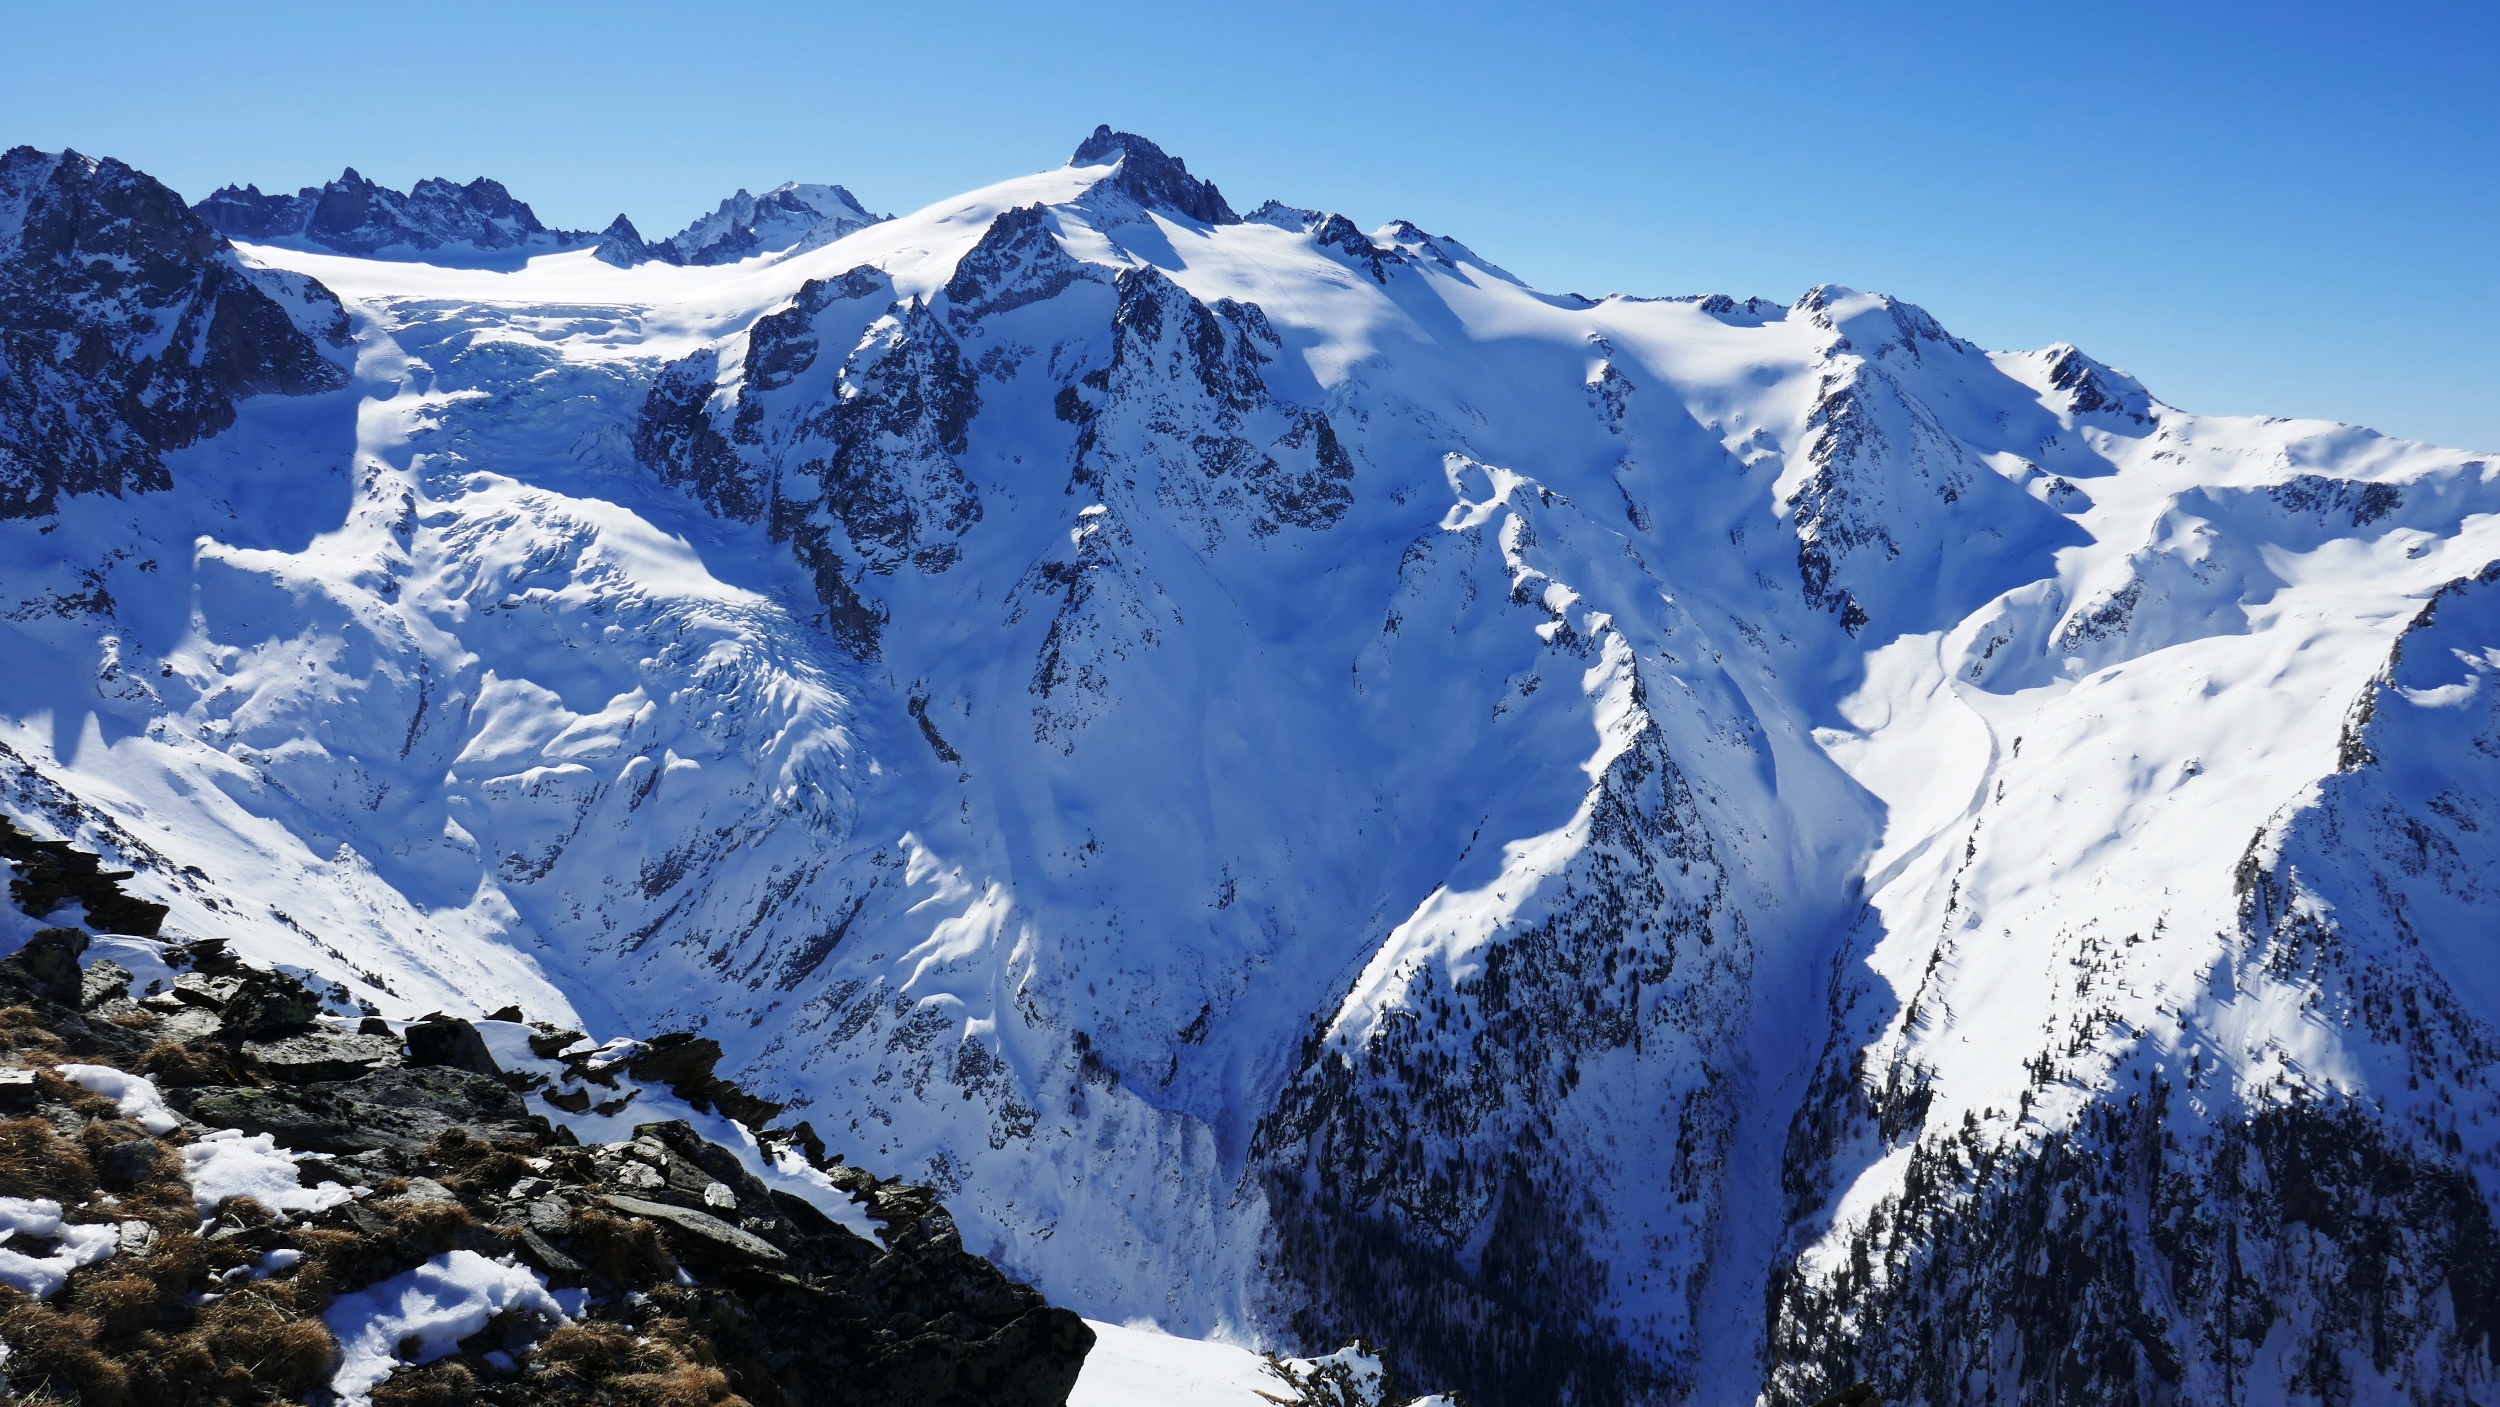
<point>1624,850</point>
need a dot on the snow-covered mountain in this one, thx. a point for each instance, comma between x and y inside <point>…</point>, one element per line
<point>1627,850</point>
<point>788,217</point>
<point>480,224</point>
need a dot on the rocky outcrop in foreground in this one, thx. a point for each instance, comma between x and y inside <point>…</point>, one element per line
<point>215,1193</point>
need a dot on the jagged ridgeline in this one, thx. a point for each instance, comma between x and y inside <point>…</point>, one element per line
<point>218,1191</point>
<point>437,220</point>
<point>1638,852</point>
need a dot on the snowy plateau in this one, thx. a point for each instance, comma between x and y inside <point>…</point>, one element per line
<point>1624,851</point>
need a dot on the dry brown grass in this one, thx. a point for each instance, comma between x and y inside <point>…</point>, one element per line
<point>86,1101</point>
<point>179,1065</point>
<point>626,1252</point>
<point>433,1224</point>
<point>160,1195</point>
<point>35,1161</point>
<point>126,1330</point>
<point>49,1348</point>
<point>23,1038</point>
<point>445,1384</point>
<point>137,1330</point>
<point>280,1346</point>
<point>123,1303</point>
<point>105,1133</point>
<point>333,1262</point>
<point>175,1265</point>
<point>660,1366</point>
<point>587,1351</point>
<point>686,1385</point>
<point>475,1166</point>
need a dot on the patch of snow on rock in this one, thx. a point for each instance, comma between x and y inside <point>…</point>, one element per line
<point>438,1304</point>
<point>135,1094</point>
<point>232,1163</point>
<point>39,1218</point>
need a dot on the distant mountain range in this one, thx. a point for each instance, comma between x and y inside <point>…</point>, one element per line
<point>438,220</point>
<point>1625,850</point>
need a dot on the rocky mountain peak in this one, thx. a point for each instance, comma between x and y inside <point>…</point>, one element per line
<point>622,245</point>
<point>789,217</point>
<point>356,215</point>
<point>1152,177</point>
<point>130,330</point>
<point>2091,386</point>
<point>57,206</point>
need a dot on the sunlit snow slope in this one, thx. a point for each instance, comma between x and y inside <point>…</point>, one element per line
<point>1639,850</point>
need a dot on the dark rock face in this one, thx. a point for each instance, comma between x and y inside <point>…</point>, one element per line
<point>676,435</point>
<point>48,964</point>
<point>1376,1162</point>
<point>355,216</point>
<point>622,245</point>
<point>863,481</point>
<point>2034,1272</point>
<point>1887,471</point>
<point>313,1056</point>
<point>245,213</point>
<point>1152,178</point>
<point>2094,389</point>
<point>451,1042</point>
<point>685,1063</point>
<point>267,1005</point>
<point>887,465</point>
<point>399,1110</point>
<point>1189,377</point>
<point>1338,233</point>
<point>128,328</point>
<point>1017,262</point>
<point>50,873</point>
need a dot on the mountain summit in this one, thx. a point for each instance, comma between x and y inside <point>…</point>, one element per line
<point>1151,178</point>
<point>789,216</point>
<point>1646,850</point>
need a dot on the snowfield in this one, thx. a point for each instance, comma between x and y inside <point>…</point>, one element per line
<point>1669,850</point>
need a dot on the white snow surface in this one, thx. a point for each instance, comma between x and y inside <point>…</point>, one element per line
<point>1137,1366</point>
<point>142,958</point>
<point>430,687</point>
<point>135,1095</point>
<point>39,1218</point>
<point>228,1163</point>
<point>438,1304</point>
<point>1143,1368</point>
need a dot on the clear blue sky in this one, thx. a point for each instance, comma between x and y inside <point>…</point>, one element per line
<point>2286,209</point>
